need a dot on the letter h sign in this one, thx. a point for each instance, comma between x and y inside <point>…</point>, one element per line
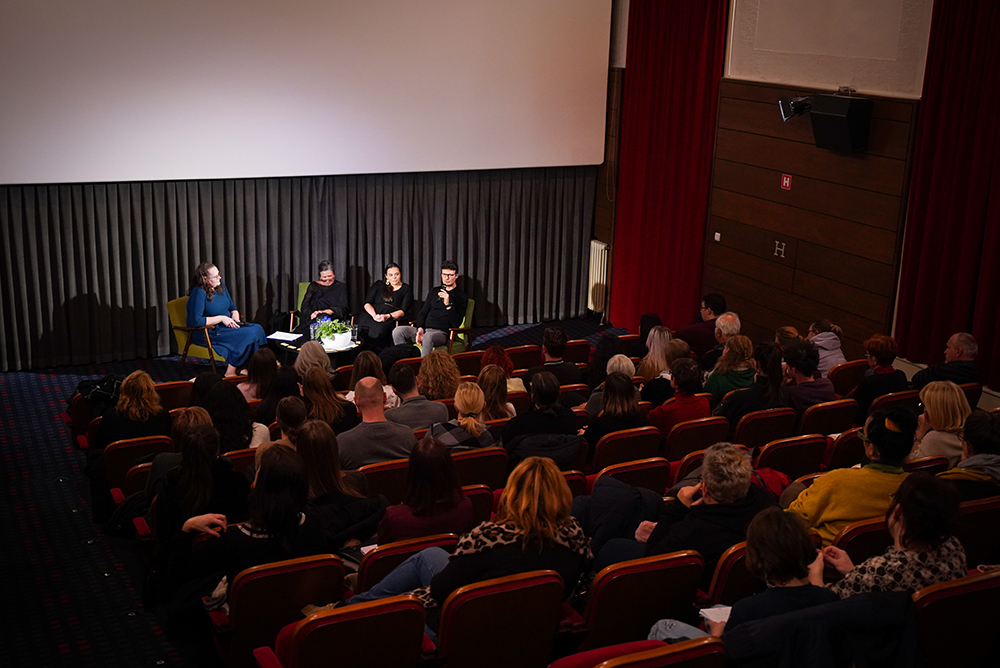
<point>779,249</point>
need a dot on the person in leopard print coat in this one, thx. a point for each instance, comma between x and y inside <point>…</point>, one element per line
<point>924,552</point>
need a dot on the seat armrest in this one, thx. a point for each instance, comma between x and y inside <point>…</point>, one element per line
<point>118,495</point>
<point>266,658</point>
<point>220,621</point>
<point>81,443</point>
<point>142,528</point>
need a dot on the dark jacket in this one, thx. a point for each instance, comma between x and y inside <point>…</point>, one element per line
<point>958,372</point>
<point>614,510</point>
<point>322,297</point>
<point>874,386</point>
<point>334,518</point>
<point>435,315</point>
<point>754,398</point>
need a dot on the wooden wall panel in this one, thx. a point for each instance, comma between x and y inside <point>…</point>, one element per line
<point>826,248</point>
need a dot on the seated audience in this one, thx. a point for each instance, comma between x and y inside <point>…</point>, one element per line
<point>958,365</point>
<point>311,354</point>
<point>608,345</point>
<point>921,521</point>
<point>805,389</point>
<point>686,381</point>
<point>326,404</point>
<point>735,369</point>
<point>433,502</point>
<point>286,383</point>
<point>261,370</point>
<point>660,389</point>
<point>292,414</point>
<point>842,496</point>
<point>495,354</point>
<point>786,336</point>
<point>164,462</point>
<point>375,439</point>
<point>700,335</point>
<point>337,510</point>
<point>200,386</point>
<point>768,390</point>
<point>554,342</point>
<point>438,376</point>
<point>880,351</point>
<point>826,337</point>
<point>532,530</point>
<point>617,364</point>
<point>415,410</point>
<point>230,414</point>
<point>709,517</point>
<point>493,382</point>
<point>655,361</point>
<point>620,412</point>
<point>368,365</point>
<point>727,326</point>
<point>781,553</point>
<point>136,414</point>
<point>977,475</point>
<point>550,429</point>
<point>940,425</point>
<point>467,431</point>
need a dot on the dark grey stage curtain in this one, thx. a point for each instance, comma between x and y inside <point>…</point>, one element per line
<point>88,269</point>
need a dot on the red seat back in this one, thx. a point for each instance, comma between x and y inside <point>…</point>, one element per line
<point>482,466</point>
<point>956,620</point>
<point>794,456</point>
<point>973,393</point>
<point>693,435</point>
<point>342,378</point>
<point>652,473</point>
<point>174,395</point>
<point>757,429</point>
<point>705,652</point>
<point>242,459</point>
<point>932,465</point>
<point>847,375</point>
<point>907,399</point>
<point>387,478</point>
<point>831,417</point>
<point>625,446</point>
<point>848,450</point>
<point>469,363</point>
<point>379,562</point>
<point>525,357</point>
<point>977,531</point>
<point>482,502</point>
<point>864,539</point>
<point>732,581</point>
<point>577,351</point>
<point>120,456</point>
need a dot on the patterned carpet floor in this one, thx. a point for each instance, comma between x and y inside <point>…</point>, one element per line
<point>70,595</point>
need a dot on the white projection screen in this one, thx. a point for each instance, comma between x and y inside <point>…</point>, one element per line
<point>137,90</point>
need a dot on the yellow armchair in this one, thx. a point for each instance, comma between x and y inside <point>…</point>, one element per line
<point>177,309</point>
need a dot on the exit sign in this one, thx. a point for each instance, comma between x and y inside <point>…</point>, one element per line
<point>786,181</point>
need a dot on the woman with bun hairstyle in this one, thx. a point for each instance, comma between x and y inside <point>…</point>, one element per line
<point>467,431</point>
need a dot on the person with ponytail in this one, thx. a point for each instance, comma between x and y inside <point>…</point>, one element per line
<point>768,390</point>
<point>291,415</point>
<point>467,431</point>
<point>842,496</point>
<point>826,337</point>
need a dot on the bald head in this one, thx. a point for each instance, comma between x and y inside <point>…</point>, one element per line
<point>369,396</point>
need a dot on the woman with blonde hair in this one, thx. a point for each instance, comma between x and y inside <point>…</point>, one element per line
<point>940,425</point>
<point>493,381</point>
<point>660,388</point>
<point>735,370</point>
<point>312,355</point>
<point>439,376</point>
<point>532,530</point>
<point>368,365</point>
<point>467,431</point>
<point>327,405</point>
<point>137,413</point>
<point>655,362</point>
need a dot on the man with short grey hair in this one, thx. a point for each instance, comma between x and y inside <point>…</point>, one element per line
<point>958,365</point>
<point>727,326</point>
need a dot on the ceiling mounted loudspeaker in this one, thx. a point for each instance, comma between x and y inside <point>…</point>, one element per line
<point>793,106</point>
<point>840,123</point>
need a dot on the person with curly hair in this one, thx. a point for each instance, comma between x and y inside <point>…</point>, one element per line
<point>438,376</point>
<point>495,354</point>
<point>137,413</point>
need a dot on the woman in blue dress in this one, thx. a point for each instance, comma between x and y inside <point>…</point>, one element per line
<point>209,304</point>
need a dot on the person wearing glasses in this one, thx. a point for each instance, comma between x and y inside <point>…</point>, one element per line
<point>444,308</point>
<point>326,297</point>
<point>209,304</point>
<point>880,351</point>
<point>700,335</point>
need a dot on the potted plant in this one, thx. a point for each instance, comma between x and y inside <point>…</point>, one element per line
<point>333,334</point>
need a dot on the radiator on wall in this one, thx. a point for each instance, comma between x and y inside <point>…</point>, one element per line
<point>597,286</point>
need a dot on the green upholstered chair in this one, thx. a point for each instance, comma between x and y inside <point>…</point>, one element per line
<point>458,337</point>
<point>177,309</point>
<point>293,315</point>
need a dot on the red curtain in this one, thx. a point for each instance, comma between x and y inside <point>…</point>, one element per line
<point>672,72</point>
<point>951,261</point>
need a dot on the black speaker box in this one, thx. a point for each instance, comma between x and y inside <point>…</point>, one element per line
<point>841,123</point>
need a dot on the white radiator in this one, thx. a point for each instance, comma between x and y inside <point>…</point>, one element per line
<point>597,286</point>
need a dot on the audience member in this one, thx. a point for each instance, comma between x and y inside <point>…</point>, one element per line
<point>439,376</point>
<point>686,381</point>
<point>617,364</point>
<point>549,430</point>
<point>368,365</point>
<point>801,362</point>
<point>200,386</point>
<point>261,370</point>
<point>700,335</point>
<point>921,520</point>
<point>826,337</point>
<point>375,439</point>
<point>230,414</point>
<point>786,336</point>
<point>768,390</point>
<point>467,431</point>
<point>977,475</point>
<point>433,502</point>
<point>493,382</point>
<point>495,354</point>
<point>842,496</point>
<point>291,415</point>
<point>880,351</point>
<point>958,365</point>
<point>311,354</point>
<point>727,326</point>
<point>553,347</point>
<point>940,425</point>
<point>608,345</point>
<point>327,405</point>
<point>164,462</point>
<point>286,383</point>
<point>415,410</point>
<point>735,369</point>
<point>621,409</point>
<point>655,361</point>
<point>137,413</point>
<point>660,389</point>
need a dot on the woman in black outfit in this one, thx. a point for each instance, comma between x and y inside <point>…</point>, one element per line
<point>387,301</point>
<point>324,298</point>
<point>768,390</point>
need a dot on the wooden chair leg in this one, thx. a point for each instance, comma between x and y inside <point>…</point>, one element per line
<point>211,353</point>
<point>185,353</point>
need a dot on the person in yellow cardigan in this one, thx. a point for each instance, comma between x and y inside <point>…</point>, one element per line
<point>843,496</point>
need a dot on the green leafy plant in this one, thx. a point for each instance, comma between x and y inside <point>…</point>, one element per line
<point>327,328</point>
